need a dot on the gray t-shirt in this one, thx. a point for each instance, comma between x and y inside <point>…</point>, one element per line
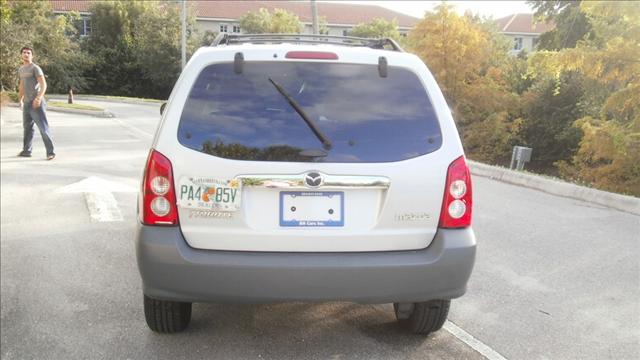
<point>29,76</point>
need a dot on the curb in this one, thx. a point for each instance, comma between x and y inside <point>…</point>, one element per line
<point>624,203</point>
<point>106,98</point>
<point>94,113</point>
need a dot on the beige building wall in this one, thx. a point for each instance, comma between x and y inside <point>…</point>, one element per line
<point>520,42</point>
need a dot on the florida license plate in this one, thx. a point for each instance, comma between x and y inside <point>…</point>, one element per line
<point>209,194</point>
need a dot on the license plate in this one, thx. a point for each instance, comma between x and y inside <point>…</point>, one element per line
<point>311,208</point>
<point>209,194</point>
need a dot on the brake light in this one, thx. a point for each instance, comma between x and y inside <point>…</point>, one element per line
<point>457,202</point>
<point>158,192</point>
<point>318,55</point>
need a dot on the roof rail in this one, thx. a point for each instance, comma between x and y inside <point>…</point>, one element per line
<point>229,39</point>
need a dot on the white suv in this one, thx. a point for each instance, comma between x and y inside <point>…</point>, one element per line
<point>305,168</point>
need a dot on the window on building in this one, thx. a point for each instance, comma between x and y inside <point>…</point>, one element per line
<point>517,43</point>
<point>223,28</point>
<point>83,26</point>
<point>534,42</point>
<point>345,32</point>
<point>236,28</point>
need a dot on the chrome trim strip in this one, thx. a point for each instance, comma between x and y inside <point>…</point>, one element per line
<point>330,181</point>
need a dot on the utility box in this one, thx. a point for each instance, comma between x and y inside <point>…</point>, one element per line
<point>519,156</point>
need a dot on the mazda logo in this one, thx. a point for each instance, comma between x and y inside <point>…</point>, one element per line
<point>313,179</point>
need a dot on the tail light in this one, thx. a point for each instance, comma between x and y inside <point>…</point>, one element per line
<point>457,203</point>
<point>158,192</point>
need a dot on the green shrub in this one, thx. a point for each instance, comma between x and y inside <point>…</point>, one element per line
<point>8,96</point>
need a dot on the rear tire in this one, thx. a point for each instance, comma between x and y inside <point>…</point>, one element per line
<point>166,316</point>
<point>426,317</point>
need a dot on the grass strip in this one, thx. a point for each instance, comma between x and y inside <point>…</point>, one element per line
<point>73,106</point>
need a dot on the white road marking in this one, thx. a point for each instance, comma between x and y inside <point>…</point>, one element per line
<point>140,133</point>
<point>101,203</point>
<point>103,206</point>
<point>475,344</point>
<point>95,184</point>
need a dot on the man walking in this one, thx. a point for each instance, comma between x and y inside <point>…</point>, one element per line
<point>31,93</point>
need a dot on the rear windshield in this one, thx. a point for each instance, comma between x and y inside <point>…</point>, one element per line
<point>358,115</point>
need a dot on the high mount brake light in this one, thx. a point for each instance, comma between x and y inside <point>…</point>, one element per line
<point>318,55</point>
<point>158,192</point>
<point>457,202</point>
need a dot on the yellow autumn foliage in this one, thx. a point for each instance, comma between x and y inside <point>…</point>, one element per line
<point>454,48</point>
<point>467,61</point>
<point>609,153</point>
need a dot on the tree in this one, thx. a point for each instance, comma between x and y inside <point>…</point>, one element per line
<point>9,48</point>
<point>323,26</point>
<point>136,40</point>
<point>548,10</point>
<point>278,22</point>
<point>112,49</point>
<point>157,37</point>
<point>207,37</point>
<point>33,23</point>
<point>550,107</point>
<point>571,23</point>
<point>609,153</point>
<point>468,60</point>
<point>457,50</point>
<point>377,28</point>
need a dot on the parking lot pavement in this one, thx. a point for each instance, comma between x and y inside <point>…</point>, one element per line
<point>555,278</point>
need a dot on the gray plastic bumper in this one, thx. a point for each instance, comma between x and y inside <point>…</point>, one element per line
<point>171,270</point>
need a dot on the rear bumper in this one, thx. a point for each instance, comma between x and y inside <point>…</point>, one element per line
<point>171,270</point>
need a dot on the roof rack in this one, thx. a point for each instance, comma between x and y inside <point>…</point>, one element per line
<point>383,43</point>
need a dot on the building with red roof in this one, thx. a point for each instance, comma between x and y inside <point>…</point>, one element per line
<point>524,30</point>
<point>224,16</point>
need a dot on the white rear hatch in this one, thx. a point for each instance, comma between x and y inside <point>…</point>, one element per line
<point>252,174</point>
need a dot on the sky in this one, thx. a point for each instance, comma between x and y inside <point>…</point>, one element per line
<point>496,9</point>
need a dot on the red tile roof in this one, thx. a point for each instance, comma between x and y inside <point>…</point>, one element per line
<point>70,5</point>
<point>523,23</point>
<point>335,13</point>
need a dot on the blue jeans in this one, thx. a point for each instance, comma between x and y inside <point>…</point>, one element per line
<point>39,117</point>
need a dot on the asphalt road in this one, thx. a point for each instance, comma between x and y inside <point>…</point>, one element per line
<point>555,278</point>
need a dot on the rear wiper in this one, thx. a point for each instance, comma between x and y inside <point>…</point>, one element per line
<point>326,143</point>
